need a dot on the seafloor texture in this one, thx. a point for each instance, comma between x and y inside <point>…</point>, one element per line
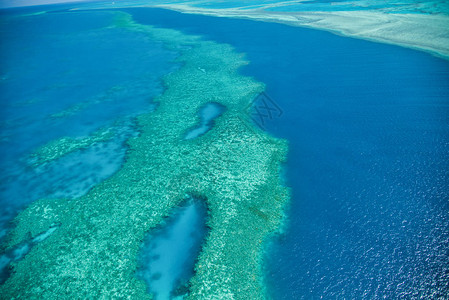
<point>367,129</point>
<point>235,167</point>
<point>67,77</point>
<point>422,25</point>
<point>63,146</point>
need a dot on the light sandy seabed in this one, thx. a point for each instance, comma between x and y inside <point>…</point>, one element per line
<point>427,31</point>
<point>424,32</point>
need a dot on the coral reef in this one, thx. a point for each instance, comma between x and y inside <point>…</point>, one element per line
<point>65,145</point>
<point>235,167</point>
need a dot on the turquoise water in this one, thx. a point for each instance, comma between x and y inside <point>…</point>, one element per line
<point>207,115</point>
<point>308,6</point>
<point>232,4</point>
<point>367,160</point>
<point>72,88</point>
<point>409,6</point>
<point>17,253</point>
<point>366,123</point>
<point>67,75</point>
<point>169,253</point>
<point>388,6</point>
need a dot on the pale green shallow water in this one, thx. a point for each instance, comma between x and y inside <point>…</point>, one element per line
<point>421,25</point>
<point>234,166</point>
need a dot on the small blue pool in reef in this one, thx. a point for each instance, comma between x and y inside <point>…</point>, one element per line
<point>134,163</point>
<point>170,252</point>
<point>207,114</point>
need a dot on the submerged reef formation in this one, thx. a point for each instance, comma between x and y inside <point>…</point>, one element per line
<point>235,167</point>
<point>421,26</point>
<point>65,145</point>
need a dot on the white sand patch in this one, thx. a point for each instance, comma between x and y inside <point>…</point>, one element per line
<point>425,32</point>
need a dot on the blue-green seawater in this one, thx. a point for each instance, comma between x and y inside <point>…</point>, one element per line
<point>166,256</point>
<point>367,125</point>
<point>208,113</point>
<point>68,75</point>
<point>368,158</point>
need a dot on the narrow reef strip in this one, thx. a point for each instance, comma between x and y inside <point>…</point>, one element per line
<point>420,31</point>
<point>65,145</point>
<point>234,166</point>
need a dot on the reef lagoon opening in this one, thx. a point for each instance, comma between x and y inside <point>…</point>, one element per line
<point>19,251</point>
<point>208,113</point>
<point>170,251</point>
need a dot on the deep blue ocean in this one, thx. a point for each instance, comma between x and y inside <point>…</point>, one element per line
<point>367,125</point>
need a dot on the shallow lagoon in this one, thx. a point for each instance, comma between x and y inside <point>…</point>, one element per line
<point>207,114</point>
<point>169,253</point>
<point>56,84</point>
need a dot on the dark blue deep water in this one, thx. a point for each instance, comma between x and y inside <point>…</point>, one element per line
<point>368,126</point>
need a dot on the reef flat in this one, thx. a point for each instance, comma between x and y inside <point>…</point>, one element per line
<point>235,167</point>
<point>421,25</point>
<point>425,32</point>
